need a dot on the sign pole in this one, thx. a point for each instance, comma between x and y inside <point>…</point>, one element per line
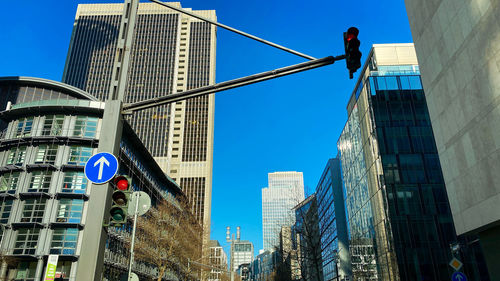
<point>136,195</point>
<point>94,235</point>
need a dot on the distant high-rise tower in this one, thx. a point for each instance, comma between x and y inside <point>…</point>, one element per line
<point>285,190</point>
<point>171,53</point>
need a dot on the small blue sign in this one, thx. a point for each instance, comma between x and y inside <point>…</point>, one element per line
<point>101,167</point>
<point>458,276</point>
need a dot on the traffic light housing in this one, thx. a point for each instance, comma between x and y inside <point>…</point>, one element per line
<point>352,53</point>
<point>121,197</point>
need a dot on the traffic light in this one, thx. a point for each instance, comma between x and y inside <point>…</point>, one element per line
<point>352,53</point>
<point>121,197</point>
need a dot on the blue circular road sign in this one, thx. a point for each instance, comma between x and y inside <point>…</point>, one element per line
<point>458,276</point>
<point>101,167</point>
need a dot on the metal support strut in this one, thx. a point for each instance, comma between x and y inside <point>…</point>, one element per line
<point>180,10</point>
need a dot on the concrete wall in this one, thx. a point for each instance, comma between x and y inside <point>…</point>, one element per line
<point>458,48</point>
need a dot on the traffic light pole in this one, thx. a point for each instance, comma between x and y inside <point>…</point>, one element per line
<point>231,84</point>
<point>91,261</point>
<point>90,265</point>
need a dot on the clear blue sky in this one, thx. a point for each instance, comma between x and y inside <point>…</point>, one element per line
<point>288,124</point>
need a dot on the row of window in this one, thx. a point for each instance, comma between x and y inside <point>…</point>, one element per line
<point>46,154</point>
<point>53,125</point>
<point>39,181</point>
<point>64,241</point>
<point>69,210</point>
<point>26,270</point>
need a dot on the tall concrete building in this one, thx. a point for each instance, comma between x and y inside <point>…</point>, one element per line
<point>171,53</point>
<point>285,190</point>
<point>458,46</point>
<point>399,218</point>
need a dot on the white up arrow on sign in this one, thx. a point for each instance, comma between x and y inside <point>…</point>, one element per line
<point>101,163</point>
<point>101,167</point>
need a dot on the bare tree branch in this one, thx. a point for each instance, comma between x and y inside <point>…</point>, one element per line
<point>168,236</point>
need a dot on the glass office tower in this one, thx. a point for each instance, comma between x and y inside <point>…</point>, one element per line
<point>332,224</point>
<point>285,191</point>
<point>399,217</point>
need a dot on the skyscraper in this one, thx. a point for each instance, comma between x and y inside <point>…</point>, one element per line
<point>458,45</point>
<point>399,218</point>
<point>285,190</point>
<point>171,52</point>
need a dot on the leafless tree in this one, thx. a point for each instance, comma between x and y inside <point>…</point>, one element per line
<point>307,241</point>
<point>168,236</point>
<point>300,250</point>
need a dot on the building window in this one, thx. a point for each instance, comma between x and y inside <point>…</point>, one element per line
<point>412,168</point>
<point>70,210</point>
<point>74,182</point>
<point>16,156</point>
<point>24,127</point>
<point>33,210</point>
<point>5,209</point>
<point>27,241</point>
<point>26,271</point>
<point>53,125</point>
<point>40,181</point>
<point>78,155</point>
<point>64,241</point>
<point>8,182</point>
<point>85,127</point>
<point>64,268</point>
<point>46,154</point>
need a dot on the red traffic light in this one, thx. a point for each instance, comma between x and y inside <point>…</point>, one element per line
<point>352,32</point>
<point>352,53</point>
<point>121,197</point>
<point>122,183</point>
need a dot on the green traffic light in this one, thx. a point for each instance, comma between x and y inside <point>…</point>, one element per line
<point>118,217</point>
<point>117,214</point>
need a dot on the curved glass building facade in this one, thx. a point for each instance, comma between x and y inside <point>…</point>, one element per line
<point>49,131</point>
